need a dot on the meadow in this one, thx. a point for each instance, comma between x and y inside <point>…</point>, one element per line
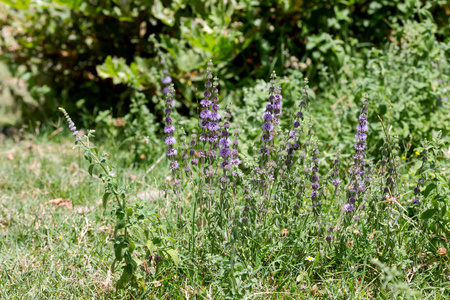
<point>237,161</point>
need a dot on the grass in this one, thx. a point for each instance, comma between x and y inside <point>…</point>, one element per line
<point>52,252</point>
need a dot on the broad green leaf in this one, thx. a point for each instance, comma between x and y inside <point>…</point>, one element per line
<point>428,190</point>
<point>428,214</point>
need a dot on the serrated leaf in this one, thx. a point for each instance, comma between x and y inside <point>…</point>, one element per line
<point>428,214</point>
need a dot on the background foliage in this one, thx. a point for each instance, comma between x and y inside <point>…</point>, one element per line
<point>95,53</point>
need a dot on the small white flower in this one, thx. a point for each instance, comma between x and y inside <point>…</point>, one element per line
<point>309,258</point>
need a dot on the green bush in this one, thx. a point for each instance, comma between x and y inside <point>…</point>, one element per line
<point>101,50</point>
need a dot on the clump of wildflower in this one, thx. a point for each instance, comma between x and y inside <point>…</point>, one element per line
<point>169,129</point>
<point>356,186</point>
<point>209,115</point>
<point>72,126</point>
<point>270,116</point>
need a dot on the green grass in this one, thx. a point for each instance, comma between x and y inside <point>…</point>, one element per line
<point>49,252</point>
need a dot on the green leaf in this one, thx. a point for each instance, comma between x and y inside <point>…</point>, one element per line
<point>131,247</point>
<point>129,211</point>
<point>91,168</point>
<point>428,214</point>
<point>19,4</point>
<point>105,199</point>
<point>428,190</point>
<point>87,156</point>
<point>150,245</point>
<point>173,255</point>
<point>121,224</point>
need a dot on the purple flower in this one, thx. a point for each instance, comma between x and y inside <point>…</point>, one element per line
<point>234,152</point>
<point>205,114</point>
<point>174,165</point>
<point>207,94</point>
<point>361,136</point>
<point>171,152</point>
<point>225,142</point>
<point>415,201</point>
<point>296,124</point>
<point>360,146</point>
<point>292,133</point>
<point>169,120</point>
<point>362,118</point>
<point>348,207</point>
<point>267,116</point>
<point>314,185</point>
<point>267,126</point>
<point>169,129</point>
<point>170,140</point>
<point>235,161</point>
<point>214,116</point>
<point>328,238</point>
<point>357,218</point>
<point>362,128</point>
<point>166,80</point>
<point>351,200</point>
<point>335,181</point>
<point>205,103</point>
<point>215,107</point>
<point>224,152</point>
<point>213,126</point>
<point>165,90</point>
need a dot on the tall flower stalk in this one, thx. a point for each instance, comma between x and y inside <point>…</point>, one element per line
<point>356,187</point>
<point>170,142</point>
